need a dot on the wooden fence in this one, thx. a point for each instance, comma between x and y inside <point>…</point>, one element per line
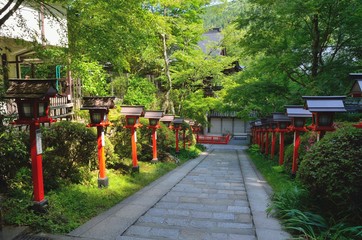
<point>213,139</point>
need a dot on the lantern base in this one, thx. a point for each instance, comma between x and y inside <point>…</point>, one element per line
<point>40,207</point>
<point>103,182</point>
<point>136,169</point>
<point>155,160</point>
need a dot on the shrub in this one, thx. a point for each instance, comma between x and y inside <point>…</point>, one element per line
<point>70,152</point>
<point>331,171</point>
<point>122,141</point>
<point>14,154</point>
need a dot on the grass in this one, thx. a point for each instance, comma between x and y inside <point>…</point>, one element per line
<point>72,205</point>
<point>274,174</point>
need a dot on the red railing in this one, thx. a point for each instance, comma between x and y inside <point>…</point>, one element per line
<point>213,139</point>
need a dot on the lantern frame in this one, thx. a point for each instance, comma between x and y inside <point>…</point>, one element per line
<point>153,117</point>
<point>297,113</point>
<point>167,119</point>
<point>132,113</point>
<point>323,107</point>
<point>98,106</point>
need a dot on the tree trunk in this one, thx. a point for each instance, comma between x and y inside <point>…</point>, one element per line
<point>315,45</point>
<point>168,104</point>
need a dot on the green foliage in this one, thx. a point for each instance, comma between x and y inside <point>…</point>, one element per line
<point>292,48</point>
<point>92,75</point>
<point>14,154</point>
<point>70,153</point>
<point>141,91</point>
<point>293,204</point>
<point>331,171</point>
<point>221,15</point>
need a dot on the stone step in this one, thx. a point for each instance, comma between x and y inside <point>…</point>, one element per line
<point>168,232</point>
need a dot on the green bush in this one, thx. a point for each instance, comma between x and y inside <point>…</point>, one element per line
<point>121,138</point>
<point>331,171</point>
<point>70,151</point>
<point>14,154</point>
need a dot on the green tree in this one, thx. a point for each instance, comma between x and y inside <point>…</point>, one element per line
<point>306,47</point>
<point>141,91</point>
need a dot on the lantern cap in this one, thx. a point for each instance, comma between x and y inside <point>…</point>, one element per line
<point>355,76</point>
<point>31,89</point>
<point>297,111</point>
<point>178,121</point>
<point>95,103</point>
<point>280,117</point>
<point>167,118</point>
<point>324,103</point>
<point>153,114</point>
<point>136,111</point>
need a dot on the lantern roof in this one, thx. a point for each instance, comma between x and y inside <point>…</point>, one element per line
<point>178,120</point>
<point>97,102</point>
<point>297,111</point>
<point>34,88</point>
<point>280,117</point>
<point>357,85</point>
<point>153,114</point>
<point>132,110</point>
<point>167,118</point>
<point>324,103</point>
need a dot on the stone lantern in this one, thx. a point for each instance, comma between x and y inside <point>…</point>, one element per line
<point>298,116</point>
<point>133,113</point>
<point>154,118</point>
<point>32,100</point>
<point>98,111</point>
<point>323,109</point>
<point>167,120</point>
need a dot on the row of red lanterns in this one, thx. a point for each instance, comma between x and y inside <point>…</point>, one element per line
<point>33,102</point>
<point>320,108</point>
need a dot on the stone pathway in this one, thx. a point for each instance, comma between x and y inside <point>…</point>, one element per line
<point>218,195</point>
<point>209,203</point>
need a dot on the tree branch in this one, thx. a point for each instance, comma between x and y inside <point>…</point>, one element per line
<point>10,12</point>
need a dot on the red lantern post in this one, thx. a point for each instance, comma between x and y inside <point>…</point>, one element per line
<point>282,125</point>
<point>177,122</point>
<point>356,91</point>
<point>133,113</point>
<point>98,111</point>
<point>298,116</point>
<point>154,118</point>
<point>32,99</point>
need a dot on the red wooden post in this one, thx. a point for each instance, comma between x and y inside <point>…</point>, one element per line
<point>273,145</point>
<point>37,167</point>
<point>281,148</point>
<point>295,152</point>
<point>184,138</point>
<point>266,142</point>
<point>154,146</point>
<point>262,141</point>
<point>135,167</point>
<point>177,148</point>
<point>102,178</point>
